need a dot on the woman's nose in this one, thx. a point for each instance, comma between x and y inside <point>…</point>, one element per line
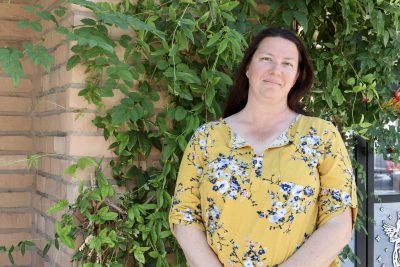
<point>275,68</point>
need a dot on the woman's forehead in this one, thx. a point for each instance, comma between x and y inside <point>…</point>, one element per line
<point>278,46</point>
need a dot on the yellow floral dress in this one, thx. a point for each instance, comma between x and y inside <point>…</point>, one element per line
<point>257,210</point>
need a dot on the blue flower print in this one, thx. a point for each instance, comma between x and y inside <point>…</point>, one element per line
<point>310,149</point>
<point>336,194</point>
<point>346,198</point>
<point>254,255</point>
<point>261,214</point>
<point>214,226</point>
<point>257,165</point>
<point>308,191</point>
<point>286,187</point>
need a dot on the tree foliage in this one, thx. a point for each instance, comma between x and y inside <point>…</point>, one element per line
<point>189,50</point>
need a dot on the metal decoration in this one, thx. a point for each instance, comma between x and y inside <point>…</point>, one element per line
<point>393,232</point>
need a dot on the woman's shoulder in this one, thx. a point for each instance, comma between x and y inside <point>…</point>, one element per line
<point>211,127</point>
<point>315,124</point>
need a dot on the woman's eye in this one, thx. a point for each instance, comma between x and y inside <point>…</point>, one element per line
<point>266,58</point>
<point>288,64</point>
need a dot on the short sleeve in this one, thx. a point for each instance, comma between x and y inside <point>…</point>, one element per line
<point>338,188</point>
<point>186,208</point>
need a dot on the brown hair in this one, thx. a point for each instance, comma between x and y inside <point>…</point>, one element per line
<point>237,98</point>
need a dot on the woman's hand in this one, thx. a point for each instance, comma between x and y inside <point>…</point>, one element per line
<point>194,244</point>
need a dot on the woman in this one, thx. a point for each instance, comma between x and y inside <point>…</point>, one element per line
<point>267,185</point>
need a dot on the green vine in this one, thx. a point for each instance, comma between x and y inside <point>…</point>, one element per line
<point>189,50</point>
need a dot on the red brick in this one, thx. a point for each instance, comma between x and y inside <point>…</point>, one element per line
<point>15,123</point>
<point>51,187</point>
<point>25,85</point>
<point>13,162</point>
<point>15,143</point>
<point>15,220</point>
<point>13,238</point>
<point>9,29</point>
<point>61,54</point>
<point>94,146</point>
<point>51,102</point>
<point>12,11</point>
<point>15,200</point>
<point>51,144</point>
<point>66,122</point>
<point>11,181</point>
<point>19,104</point>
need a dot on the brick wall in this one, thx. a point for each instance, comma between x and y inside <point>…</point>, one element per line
<point>40,117</point>
<point>16,181</point>
<point>60,135</point>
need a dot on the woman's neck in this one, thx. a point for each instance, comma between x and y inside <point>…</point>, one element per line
<point>267,114</point>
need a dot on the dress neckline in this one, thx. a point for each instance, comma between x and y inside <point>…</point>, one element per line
<point>236,141</point>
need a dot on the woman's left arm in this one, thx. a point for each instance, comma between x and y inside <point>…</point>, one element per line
<point>321,249</point>
<point>337,205</point>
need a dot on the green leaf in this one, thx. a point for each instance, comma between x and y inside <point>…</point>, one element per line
<point>222,46</point>
<point>369,78</point>
<point>302,19</point>
<point>71,170</point>
<point>287,17</point>
<point>21,246</point>
<point>329,72</point>
<point>351,81</point>
<point>10,256</point>
<point>39,55</point>
<point>60,11</point>
<point>385,38</point>
<point>45,15</point>
<point>73,61</point>
<point>180,113</point>
<point>131,213</point>
<point>172,12</point>
<point>28,9</point>
<point>87,21</point>
<point>62,30</point>
<point>36,26</point>
<point>213,39</point>
<point>203,18</point>
<point>165,234</point>
<point>23,23</point>
<point>47,248</point>
<point>68,241</point>
<point>229,6</point>
<point>10,62</point>
<point>60,205</point>
<point>139,256</point>
<point>86,161</point>
<point>33,161</point>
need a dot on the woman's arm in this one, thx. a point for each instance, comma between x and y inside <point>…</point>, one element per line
<point>194,244</point>
<point>324,244</point>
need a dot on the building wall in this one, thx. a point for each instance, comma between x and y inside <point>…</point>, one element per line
<point>40,116</point>
<point>63,132</point>
<point>16,141</point>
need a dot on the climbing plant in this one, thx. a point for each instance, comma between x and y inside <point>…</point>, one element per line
<point>187,51</point>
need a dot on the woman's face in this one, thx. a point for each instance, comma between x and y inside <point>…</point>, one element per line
<point>273,69</point>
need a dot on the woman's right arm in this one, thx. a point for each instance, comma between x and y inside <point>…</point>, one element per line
<point>194,244</point>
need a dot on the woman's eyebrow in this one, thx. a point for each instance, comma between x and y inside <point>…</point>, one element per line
<point>270,54</point>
